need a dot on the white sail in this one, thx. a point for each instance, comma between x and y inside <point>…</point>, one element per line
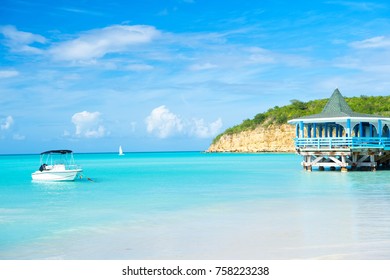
<point>121,151</point>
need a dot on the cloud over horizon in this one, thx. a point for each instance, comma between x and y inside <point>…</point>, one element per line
<point>163,123</point>
<point>6,123</point>
<point>203,130</point>
<point>88,125</point>
<point>7,129</point>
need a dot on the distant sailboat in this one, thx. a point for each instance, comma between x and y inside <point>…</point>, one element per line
<point>121,151</point>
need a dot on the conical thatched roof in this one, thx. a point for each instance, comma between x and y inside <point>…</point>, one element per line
<point>336,105</point>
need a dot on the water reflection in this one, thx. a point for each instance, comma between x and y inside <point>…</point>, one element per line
<point>371,193</point>
<point>54,186</point>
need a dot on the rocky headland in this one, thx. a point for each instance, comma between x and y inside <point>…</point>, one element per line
<point>273,138</point>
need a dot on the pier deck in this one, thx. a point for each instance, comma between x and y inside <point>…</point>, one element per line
<point>344,152</point>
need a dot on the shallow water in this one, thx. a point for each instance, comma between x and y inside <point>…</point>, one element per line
<point>193,206</point>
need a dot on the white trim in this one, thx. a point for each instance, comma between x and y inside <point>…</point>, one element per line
<point>338,119</point>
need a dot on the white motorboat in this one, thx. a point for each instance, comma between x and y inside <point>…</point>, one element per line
<point>57,165</point>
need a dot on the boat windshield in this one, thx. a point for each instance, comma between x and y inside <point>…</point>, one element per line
<point>58,157</point>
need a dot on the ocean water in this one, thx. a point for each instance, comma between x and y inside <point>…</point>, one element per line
<point>193,205</point>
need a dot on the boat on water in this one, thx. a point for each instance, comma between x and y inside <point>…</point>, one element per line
<point>121,151</point>
<point>57,165</point>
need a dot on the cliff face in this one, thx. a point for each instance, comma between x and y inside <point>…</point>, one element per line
<point>275,138</point>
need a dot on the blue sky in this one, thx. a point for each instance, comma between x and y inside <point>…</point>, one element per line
<point>170,75</point>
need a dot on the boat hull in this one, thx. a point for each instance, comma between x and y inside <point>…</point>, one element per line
<point>53,175</point>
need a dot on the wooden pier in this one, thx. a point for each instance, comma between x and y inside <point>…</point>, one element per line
<point>341,138</point>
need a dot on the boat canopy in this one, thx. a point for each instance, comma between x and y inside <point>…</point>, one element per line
<point>62,152</point>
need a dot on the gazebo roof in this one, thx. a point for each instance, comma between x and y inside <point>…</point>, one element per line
<point>336,109</point>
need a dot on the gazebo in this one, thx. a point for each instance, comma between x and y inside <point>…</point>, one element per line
<point>340,137</point>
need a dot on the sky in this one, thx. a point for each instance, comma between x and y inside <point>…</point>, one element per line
<point>170,75</point>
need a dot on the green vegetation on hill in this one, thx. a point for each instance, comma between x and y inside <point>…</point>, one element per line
<point>377,105</point>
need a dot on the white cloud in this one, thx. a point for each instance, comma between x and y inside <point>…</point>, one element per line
<point>261,56</point>
<point>139,67</point>
<point>370,55</point>
<point>163,123</point>
<point>360,6</point>
<point>202,130</point>
<point>204,66</point>
<point>81,11</point>
<point>99,42</point>
<point>6,123</point>
<point>8,74</point>
<point>88,125</point>
<point>20,41</point>
<point>18,137</point>
<point>374,42</point>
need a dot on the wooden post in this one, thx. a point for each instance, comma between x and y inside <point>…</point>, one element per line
<point>343,168</point>
<point>373,163</point>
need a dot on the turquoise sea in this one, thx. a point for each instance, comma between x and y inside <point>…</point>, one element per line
<point>193,205</point>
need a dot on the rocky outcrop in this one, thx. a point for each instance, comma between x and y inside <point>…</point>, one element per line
<point>274,138</point>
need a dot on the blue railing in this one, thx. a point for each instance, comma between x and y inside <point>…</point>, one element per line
<point>343,142</point>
